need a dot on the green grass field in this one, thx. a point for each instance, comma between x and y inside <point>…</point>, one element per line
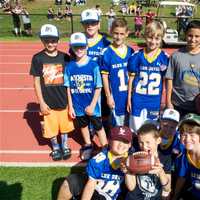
<point>19,183</point>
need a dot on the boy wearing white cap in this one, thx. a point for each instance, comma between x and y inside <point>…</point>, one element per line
<point>90,20</point>
<point>47,68</point>
<point>83,82</point>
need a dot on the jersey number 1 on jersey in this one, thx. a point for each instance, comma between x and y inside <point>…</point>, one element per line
<point>121,74</point>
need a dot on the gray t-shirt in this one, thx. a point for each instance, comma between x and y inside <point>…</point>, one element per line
<point>184,70</point>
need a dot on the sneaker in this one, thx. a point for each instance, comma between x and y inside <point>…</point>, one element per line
<point>66,153</point>
<point>86,152</point>
<point>56,154</point>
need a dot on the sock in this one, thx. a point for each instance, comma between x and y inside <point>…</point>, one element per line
<point>64,138</point>
<point>54,143</point>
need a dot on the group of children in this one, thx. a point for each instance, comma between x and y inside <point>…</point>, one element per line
<point>69,88</point>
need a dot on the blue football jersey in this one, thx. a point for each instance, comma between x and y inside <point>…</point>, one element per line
<point>109,179</point>
<point>172,147</point>
<point>147,84</point>
<point>115,65</point>
<point>82,81</point>
<point>188,169</point>
<point>95,49</point>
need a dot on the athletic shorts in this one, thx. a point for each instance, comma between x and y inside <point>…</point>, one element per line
<point>57,121</point>
<point>27,26</point>
<point>77,183</point>
<point>85,120</point>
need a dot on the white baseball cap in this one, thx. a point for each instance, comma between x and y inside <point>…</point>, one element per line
<point>171,114</point>
<point>89,15</point>
<point>49,31</point>
<point>78,39</point>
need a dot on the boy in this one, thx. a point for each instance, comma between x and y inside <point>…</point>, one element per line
<point>104,176</point>
<point>115,73</point>
<point>183,73</point>
<point>170,143</point>
<point>189,166</point>
<point>146,73</point>
<point>47,69</point>
<point>90,21</point>
<point>83,82</point>
<point>157,182</point>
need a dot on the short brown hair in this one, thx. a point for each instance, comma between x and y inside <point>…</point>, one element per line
<point>119,22</point>
<point>147,128</point>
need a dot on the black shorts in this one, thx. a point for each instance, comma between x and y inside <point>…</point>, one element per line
<point>85,120</point>
<point>27,26</point>
<point>77,183</point>
<point>138,27</point>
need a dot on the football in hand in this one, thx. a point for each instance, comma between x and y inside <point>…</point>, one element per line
<point>139,162</point>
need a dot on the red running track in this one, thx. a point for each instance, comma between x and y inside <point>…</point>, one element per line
<point>21,142</point>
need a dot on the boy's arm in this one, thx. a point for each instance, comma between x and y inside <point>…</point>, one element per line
<point>89,109</point>
<point>169,93</point>
<point>43,106</point>
<point>164,95</point>
<point>88,189</point>
<point>70,104</point>
<point>130,85</point>
<point>178,187</point>
<point>106,86</point>
<point>130,181</point>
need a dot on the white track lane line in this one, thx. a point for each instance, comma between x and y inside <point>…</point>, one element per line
<point>43,164</point>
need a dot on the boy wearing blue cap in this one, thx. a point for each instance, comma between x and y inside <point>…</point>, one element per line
<point>47,68</point>
<point>83,82</point>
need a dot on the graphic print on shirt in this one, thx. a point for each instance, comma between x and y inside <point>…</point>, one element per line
<point>53,74</point>
<point>147,185</point>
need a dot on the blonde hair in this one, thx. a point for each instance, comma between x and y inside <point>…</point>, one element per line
<point>155,28</point>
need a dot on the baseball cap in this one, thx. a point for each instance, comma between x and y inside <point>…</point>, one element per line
<point>89,15</point>
<point>190,118</point>
<point>49,31</point>
<point>122,133</point>
<point>78,39</point>
<point>171,114</point>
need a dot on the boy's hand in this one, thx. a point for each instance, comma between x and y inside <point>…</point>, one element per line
<point>89,110</point>
<point>170,105</point>
<point>157,169</point>
<point>72,112</point>
<point>44,108</point>
<point>110,102</point>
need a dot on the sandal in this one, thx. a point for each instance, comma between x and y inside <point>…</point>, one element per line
<point>56,154</point>
<point>86,152</point>
<point>66,153</point>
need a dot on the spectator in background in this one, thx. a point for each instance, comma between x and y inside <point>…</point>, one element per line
<point>50,13</point>
<point>149,16</point>
<point>98,9</point>
<point>132,8</point>
<point>15,11</point>
<point>138,24</point>
<point>68,12</point>
<point>26,21</point>
<point>111,17</point>
<point>59,14</point>
<point>58,2</point>
<point>68,3</point>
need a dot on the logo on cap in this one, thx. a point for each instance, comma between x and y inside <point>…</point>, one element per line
<point>122,131</point>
